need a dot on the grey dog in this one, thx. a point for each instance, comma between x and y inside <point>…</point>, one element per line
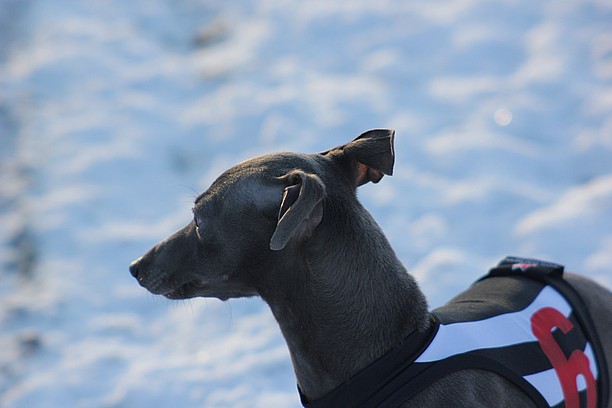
<point>288,227</point>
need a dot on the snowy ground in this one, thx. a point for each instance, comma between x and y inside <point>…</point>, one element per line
<point>115,114</point>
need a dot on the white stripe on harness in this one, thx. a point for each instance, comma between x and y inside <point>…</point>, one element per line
<point>495,332</point>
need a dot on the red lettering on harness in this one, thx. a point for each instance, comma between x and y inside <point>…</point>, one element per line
<point>568,369</point>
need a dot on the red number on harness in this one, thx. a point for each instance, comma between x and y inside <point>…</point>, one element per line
<point>568,369</point>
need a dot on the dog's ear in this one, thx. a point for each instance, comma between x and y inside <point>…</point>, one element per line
<point>372,155</point>
<point>300,209</point>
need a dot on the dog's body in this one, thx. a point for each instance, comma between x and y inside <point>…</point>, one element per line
<point>289,228</point>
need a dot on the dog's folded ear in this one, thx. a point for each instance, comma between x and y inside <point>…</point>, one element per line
<point>300,209</point>
<point>371,154</point>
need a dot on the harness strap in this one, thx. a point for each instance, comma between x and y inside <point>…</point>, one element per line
<point>381,379</point>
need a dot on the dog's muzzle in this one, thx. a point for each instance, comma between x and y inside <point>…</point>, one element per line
<point>134,268</point>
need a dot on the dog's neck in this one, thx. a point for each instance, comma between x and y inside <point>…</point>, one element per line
<point>342,301</point>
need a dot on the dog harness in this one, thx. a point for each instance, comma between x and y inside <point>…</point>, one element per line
<point>522,321</point>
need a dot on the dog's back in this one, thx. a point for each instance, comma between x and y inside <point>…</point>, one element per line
<point>505,295</point>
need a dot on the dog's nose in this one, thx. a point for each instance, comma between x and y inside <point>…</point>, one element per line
<point>134,268</point>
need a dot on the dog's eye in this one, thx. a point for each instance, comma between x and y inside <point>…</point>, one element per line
<point>196,221</point>
<point>197,227</point>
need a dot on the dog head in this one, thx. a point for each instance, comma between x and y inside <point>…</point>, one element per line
<point>256,214</point>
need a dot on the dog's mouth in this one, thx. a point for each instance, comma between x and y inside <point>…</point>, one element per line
<point>186,291</point>
<point>199,288</point>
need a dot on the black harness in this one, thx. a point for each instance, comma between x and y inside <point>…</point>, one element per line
<point>522,321</point>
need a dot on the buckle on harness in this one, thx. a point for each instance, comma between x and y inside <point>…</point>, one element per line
<point>516,265</point>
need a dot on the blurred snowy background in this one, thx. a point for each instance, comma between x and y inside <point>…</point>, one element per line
<point>115,114</point>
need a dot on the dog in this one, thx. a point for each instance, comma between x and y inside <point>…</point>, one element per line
<point>288,227</point>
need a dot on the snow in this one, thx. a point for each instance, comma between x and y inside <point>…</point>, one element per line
<point>115,115</point>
